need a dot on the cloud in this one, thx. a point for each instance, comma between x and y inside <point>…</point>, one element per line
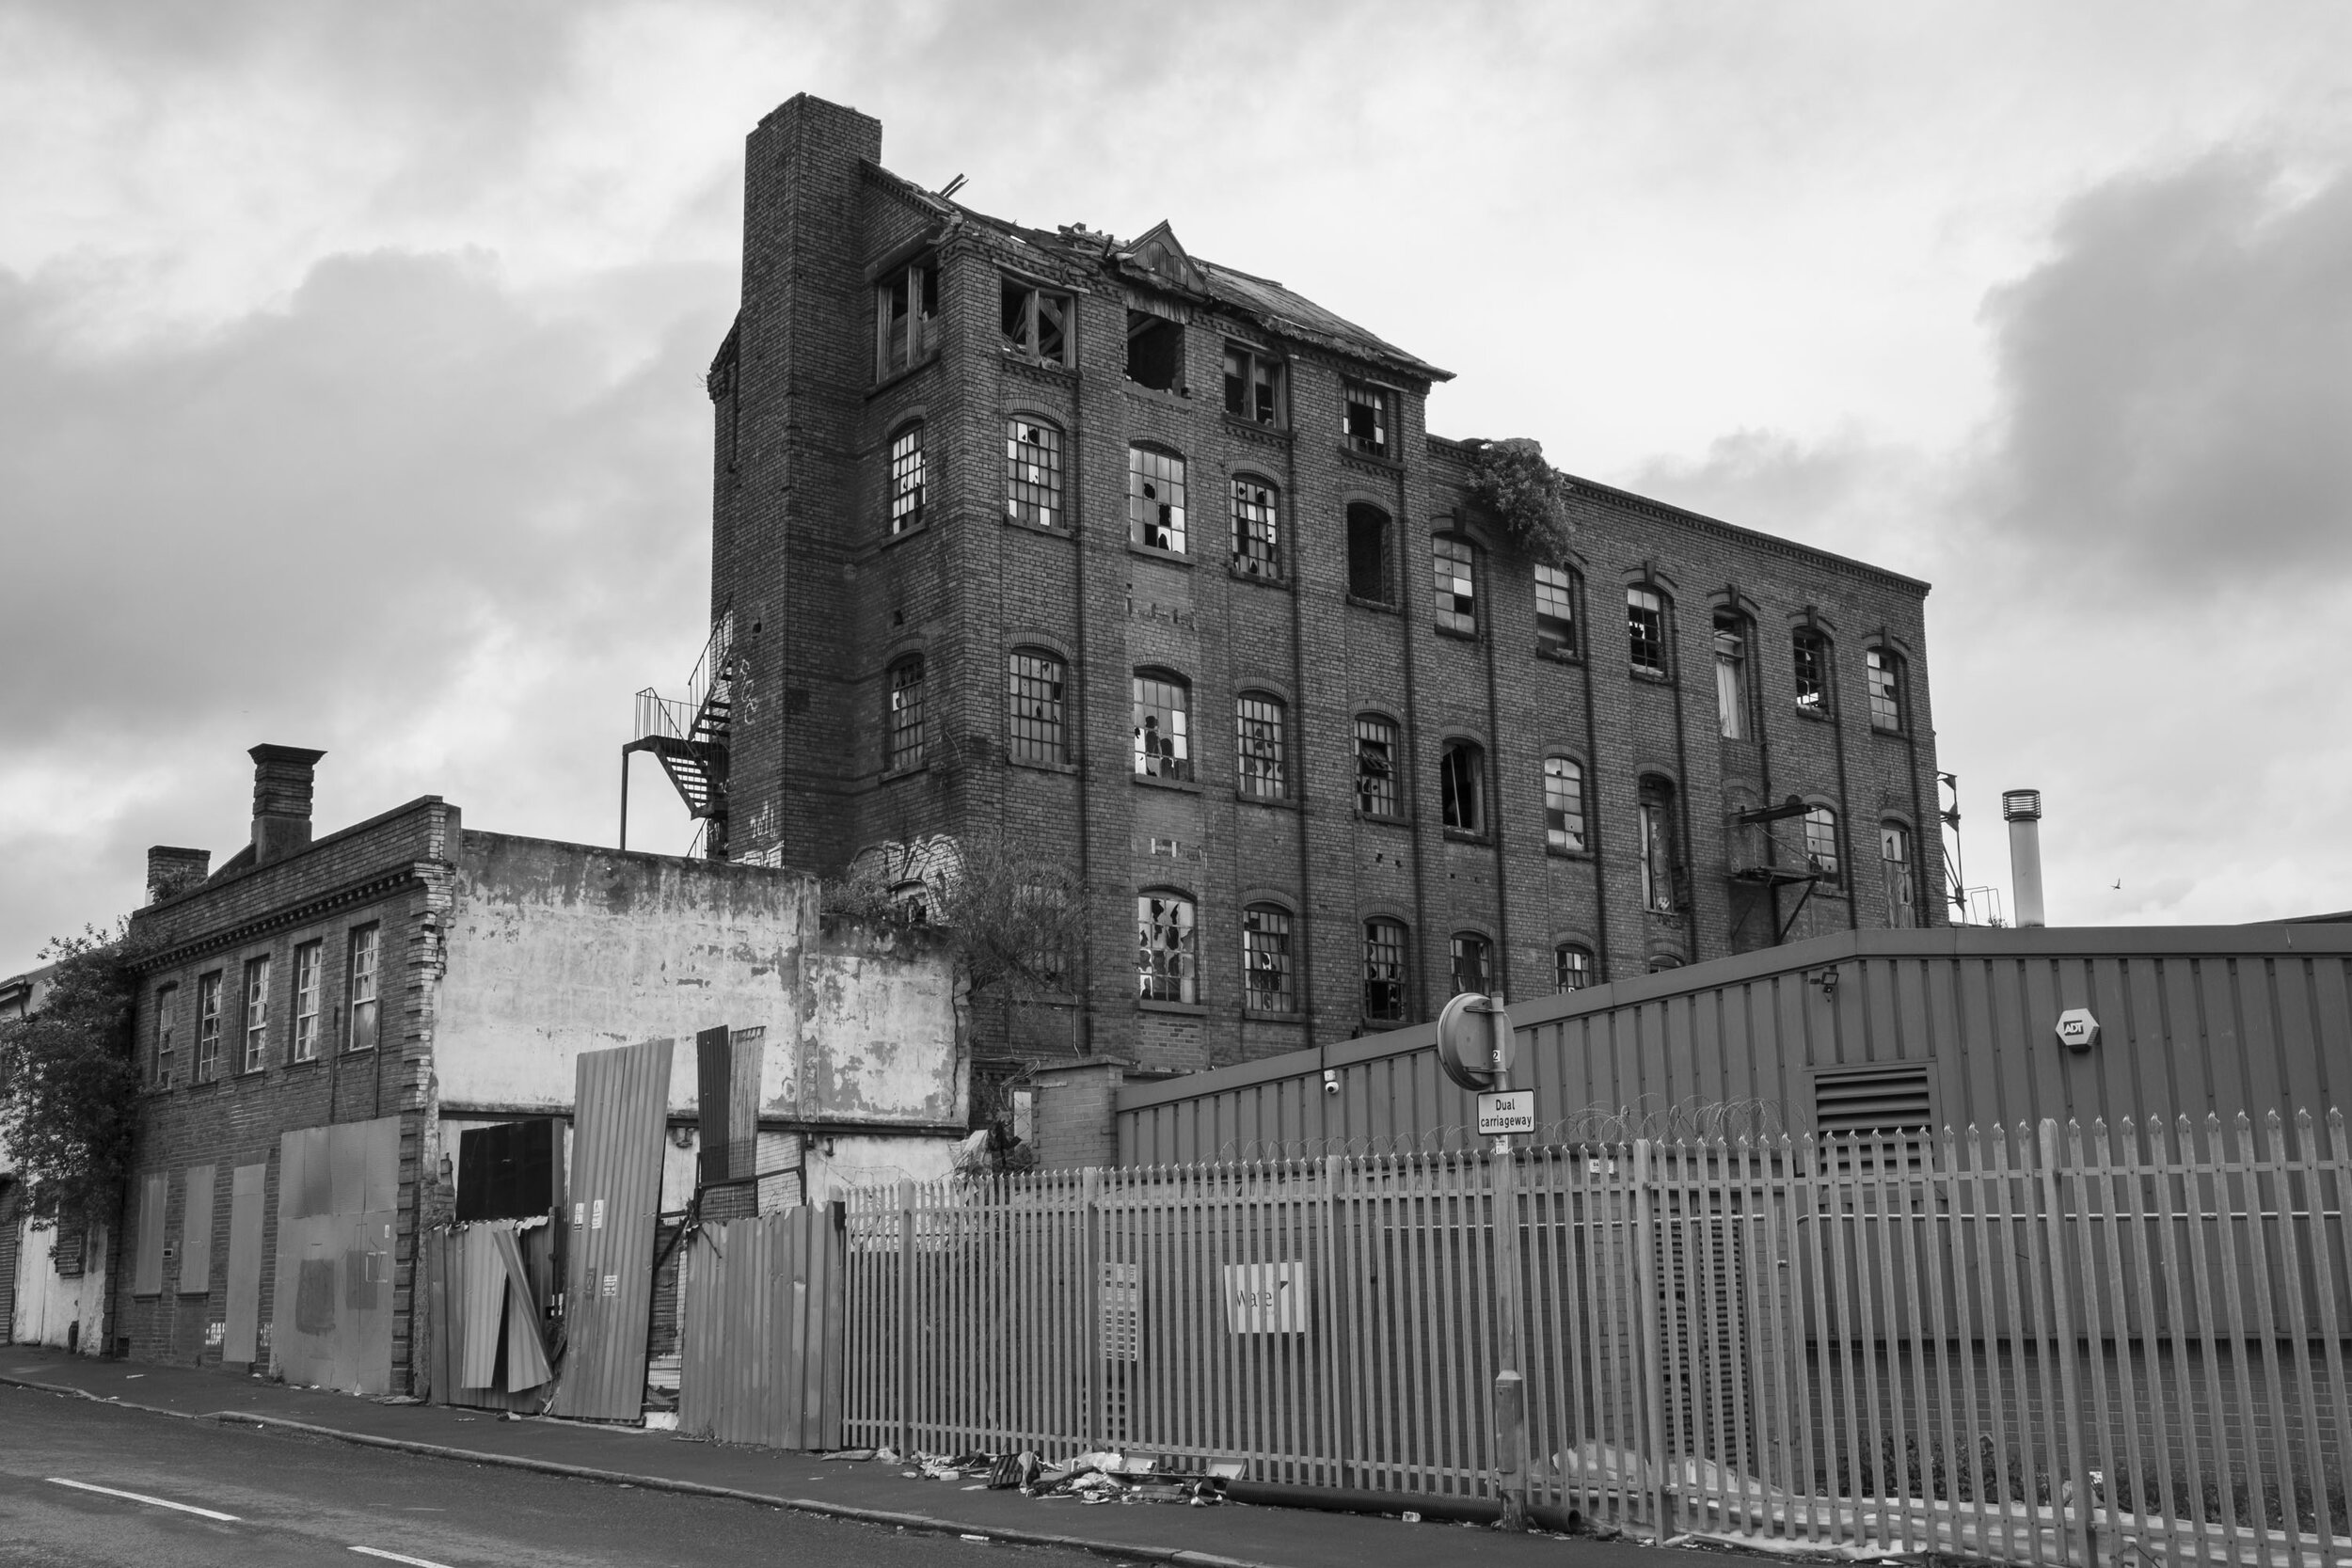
<point>2177,379</point>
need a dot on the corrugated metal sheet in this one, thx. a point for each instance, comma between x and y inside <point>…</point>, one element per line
<point>247,1185</point>
<point>484,1289</point>
<point>622,1106</point>
<point>147,1267</point>
<point>196,1233</point>
<point>2195,1021</point>
<point>762,1342</point>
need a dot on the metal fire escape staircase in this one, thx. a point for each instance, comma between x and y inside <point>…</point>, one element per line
<point>691,737</point>
<point>1756,863</point>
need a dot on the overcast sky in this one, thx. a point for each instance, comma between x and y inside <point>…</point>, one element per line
<point>350,362</point>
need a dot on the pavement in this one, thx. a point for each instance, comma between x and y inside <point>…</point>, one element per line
<point>1230,1536</point>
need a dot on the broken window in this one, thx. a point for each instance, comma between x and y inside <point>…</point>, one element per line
<point>1563,805</point>
<point>1163,739</point>
<point>1036,680</point>
<point>1811,650</point>
<point>1168,966</point>
<point>1903,909</point>
<point>1659,860</point>
<point>208,1027</point>
<point>1037,322</point>
<point>1555,610</point>
<point>1253,385</point>
<point>359,990</point>
<point>1384,972</point>
<point>1462,785</point>
<point>906,478</point>
<point>1258,745</point>
<point>906,312</point>
<point>1155,352</point>
<point>1368,554</point>
<point>906,714</point>
<point>1368,411</point>
<point>1884,670</point>
<point>1472,963</point>
<point>1155,498</point>
<point>166,1032</point>
<point>309,960</point>
<point>1257,543</point>
<point>1032,473</point>
<point>1572,967</point>
<point>1265,959</point>
<point>1731,675</point>
<point>1645,629</point>
<point>256,1015</point>
<point>1377,793</point>
<point>1820,843</point>
<point>1456,585</point>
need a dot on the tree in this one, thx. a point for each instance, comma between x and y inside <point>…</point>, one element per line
<point>69,1081</point>
<point>1511,478</point>
<point>1007,921</point>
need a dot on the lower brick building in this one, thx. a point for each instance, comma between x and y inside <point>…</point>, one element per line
<point>1153,568</point>
<point>320,1019</point>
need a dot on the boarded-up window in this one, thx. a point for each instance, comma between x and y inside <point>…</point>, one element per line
<point>147,1265</point>
<point>196,1234</point>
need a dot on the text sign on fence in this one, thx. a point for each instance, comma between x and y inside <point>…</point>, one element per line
<point>1266,1298</point>
<point>1504,1111</point>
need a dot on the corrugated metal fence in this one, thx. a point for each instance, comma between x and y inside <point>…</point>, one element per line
<point>2036,1346</point>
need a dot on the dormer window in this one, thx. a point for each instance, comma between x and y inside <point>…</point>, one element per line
<point>1369,418</point>
<point>1253,385</point>
<point>906,315</point>
<point>1036,323</point>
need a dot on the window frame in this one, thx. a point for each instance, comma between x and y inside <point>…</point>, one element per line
<point>1364,520</point>
<point>1555,634</point>
<point>1025,735</point>
<point>1468,790</point>
<point>1170,524</point>
<point>1270,780</point>
<point>1262,383</point>
<point>1144,323</point>
<point>167,1036</point>
<point>1172,966</point>
<point>1571,834</point>
<point>362,1007</point>
<point>918,276</point>
<point>1028,501</point>
<point>1882,678</point>
<point>904,470</point>
<point>1391,771</point>
<point>1380,440</point>
<point>208,1023</point>
<point>1174,752</point>
<point>1471,944</point>
<point>253,1017</point>
<point>1274,925</point>
<point>1257,527</point>
<point>1659,843</point>
<point>1822,845</point>
<point>902,713</point>
<point>1587,965</point>
<point>1026,344</point>
<point>1636,639</point>
<point>1734,702</point>
<point>1810,644</point>
<point>1903,913</point>
<point>1453,581</point>
<point>1397,957</point>
<point>309,996</point>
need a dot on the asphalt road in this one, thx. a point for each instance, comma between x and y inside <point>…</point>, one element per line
<point>296,1500</point>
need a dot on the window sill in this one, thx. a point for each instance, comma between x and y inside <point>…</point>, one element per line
<point>1383,605</point>
<point>1817,715</point>
<point>1567,854</point>
<point>1891,735</point>
<point>930,357</point>
<point>1675,915</point>
<point>360,1051</point>
<point>206,1084</point>
<point>1382,458</point>
<point>1174,558</point>
<point>1058,368</point>
<point>1182,1009</point>
<point>1273,803</point>
<point>1243,426</point>
<point>1463,835</point>
<point>892,775</point>
<point>1176,397</point>
<point>1153,781</point>
<point>920,526</point>
<point>1652,677</point>
<point>1052,530</point>
<point>1260,1015</point>
<point>156,1091</point>
<point>1455,633</point>
<point>1274,581</point>
<point>1035,766</point>
<point>1384,819</point>
<point>1557,655</point>
<point>302,1063</point>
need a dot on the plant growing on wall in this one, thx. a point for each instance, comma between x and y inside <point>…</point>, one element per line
<point>70,1082</point>
<point>1510,479</point>
<point>1008,921</point>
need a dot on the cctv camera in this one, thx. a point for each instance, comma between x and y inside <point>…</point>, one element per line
<point>1330,1082</point>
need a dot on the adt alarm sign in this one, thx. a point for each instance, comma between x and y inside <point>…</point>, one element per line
<point>1503,1112</point>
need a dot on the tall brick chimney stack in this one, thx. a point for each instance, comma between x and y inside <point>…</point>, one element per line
<point>282,800</point>
<point>170,870</point>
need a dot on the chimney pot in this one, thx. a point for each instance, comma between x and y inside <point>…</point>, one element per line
<point>173,870</point>
<point>281,799</point>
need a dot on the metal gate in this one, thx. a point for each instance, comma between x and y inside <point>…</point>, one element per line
<point>762,1337</point>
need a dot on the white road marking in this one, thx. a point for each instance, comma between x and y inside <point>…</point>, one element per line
<point>143,1498</point>
<point>397,1556</point>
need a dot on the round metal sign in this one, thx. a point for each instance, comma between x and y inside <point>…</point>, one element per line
<point>1474,1041</point>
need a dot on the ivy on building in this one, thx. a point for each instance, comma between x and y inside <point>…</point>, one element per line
<point>70,1082</point>
<point>1527,494</point>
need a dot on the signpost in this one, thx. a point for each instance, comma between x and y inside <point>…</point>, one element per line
<point>1475,1046</point>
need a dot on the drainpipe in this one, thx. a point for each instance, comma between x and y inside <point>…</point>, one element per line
<point>2023,807</point>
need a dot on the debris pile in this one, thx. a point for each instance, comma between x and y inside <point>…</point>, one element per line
<point>1103,1476</point>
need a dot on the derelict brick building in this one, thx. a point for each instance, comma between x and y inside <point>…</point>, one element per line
<point>1154,566</point>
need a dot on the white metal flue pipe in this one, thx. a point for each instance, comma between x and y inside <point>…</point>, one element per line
<point>2023,807</point>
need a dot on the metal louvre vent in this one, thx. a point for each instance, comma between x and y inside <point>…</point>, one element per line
<point>1872,1099</point>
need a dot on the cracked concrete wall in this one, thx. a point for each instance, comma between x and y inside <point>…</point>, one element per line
<point>553,949</point>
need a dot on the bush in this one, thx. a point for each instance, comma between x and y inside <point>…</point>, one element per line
<point>70,1082</point>
<point>1528,494</point>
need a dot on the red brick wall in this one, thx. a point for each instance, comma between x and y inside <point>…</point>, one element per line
<point>802,544</point>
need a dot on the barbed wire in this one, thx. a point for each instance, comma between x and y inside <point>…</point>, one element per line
<point>1658,1120</point>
